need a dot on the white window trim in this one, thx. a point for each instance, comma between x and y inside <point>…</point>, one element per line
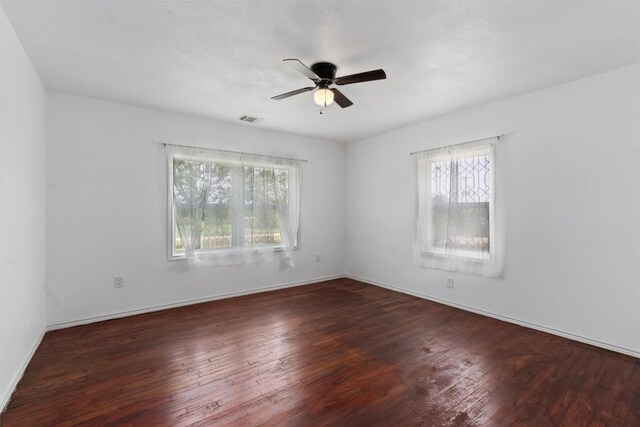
<point>428,256</point>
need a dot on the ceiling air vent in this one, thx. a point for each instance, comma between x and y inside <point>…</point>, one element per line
<point>250,119</point>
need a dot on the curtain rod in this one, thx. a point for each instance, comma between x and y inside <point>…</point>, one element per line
<point>460,143</point>
<point>230,151</point>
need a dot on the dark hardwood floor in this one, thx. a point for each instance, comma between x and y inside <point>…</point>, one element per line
<point>337,353</point>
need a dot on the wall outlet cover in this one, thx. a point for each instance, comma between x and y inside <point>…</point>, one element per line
<point>118,281</point>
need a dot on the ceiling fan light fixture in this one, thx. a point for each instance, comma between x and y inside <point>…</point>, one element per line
<point>323,75</point>
<point>323,97</point>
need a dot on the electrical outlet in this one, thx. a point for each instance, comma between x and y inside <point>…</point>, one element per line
<point>449,282</point>
<point>118,281</point>
<point>317,258</point>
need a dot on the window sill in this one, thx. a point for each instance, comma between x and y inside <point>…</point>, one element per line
<point>460,255</point>
<point>222,251</point>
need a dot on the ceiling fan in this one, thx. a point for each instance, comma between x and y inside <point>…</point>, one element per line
<point>323,74</point>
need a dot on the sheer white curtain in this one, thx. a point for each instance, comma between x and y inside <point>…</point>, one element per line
<point>457,227</point>
<point>289,212</point>
<point>230,208</point>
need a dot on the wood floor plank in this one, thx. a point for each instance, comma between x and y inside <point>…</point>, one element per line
<point>336,353</point>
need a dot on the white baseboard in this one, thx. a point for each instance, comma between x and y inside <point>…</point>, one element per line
<point>87,320</point>
<point>4,399</point>
<point>564,334</point>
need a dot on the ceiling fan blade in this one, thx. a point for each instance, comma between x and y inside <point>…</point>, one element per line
<point>301,68</point>
<point>293,92</point>
<point>367,76</point>
<point>340,99</point>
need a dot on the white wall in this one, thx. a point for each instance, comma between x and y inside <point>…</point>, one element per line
<point>22,209</point>
<point>572,167</point>
<point>107,209</point>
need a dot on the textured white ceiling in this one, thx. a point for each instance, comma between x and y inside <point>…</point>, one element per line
<point>221,59</point>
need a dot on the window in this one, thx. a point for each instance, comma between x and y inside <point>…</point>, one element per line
<point>456,227</point>
<point>228,208</point>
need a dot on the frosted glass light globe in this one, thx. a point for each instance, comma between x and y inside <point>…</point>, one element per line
<point>323,97</point>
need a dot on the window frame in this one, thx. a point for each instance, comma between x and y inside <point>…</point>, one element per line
<point>424,254</point>
<point>459,254</point>
<point>172,254</point>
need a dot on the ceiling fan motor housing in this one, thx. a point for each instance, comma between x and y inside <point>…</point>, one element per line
<point>325,70</point>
